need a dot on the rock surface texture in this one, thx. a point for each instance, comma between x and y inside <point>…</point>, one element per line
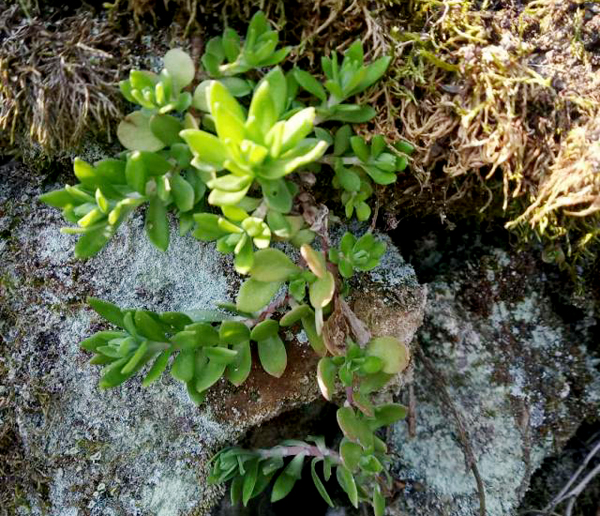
<point>505,376</point>
<point>129,451</point>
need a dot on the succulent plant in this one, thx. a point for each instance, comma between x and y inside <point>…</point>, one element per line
<point>246,140</point>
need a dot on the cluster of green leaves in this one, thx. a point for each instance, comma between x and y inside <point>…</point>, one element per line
<point>360,461</point>
<point>249,137</point>
<point>244,135</point>
<point>205,345</point>
<point>361,254</point>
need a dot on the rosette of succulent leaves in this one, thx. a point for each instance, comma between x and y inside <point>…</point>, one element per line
<point>228,158</point>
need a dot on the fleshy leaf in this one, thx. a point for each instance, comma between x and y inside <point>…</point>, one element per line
<point>134,133</point>
<point>254,295</point>
<point>272,265</point>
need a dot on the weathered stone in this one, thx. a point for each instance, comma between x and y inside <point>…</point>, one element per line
<point>131,450</point>
<point>499,357</point>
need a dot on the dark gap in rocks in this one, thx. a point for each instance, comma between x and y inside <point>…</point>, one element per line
<point>432,246</point>
<point>318,418</point>
<point>556,470</point>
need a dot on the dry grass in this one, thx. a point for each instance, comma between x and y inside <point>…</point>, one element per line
<point>57,79</point>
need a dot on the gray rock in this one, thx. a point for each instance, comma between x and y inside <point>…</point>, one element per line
<point>518,375</point>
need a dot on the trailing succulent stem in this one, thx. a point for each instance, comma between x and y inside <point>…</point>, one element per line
<point>247,137</point>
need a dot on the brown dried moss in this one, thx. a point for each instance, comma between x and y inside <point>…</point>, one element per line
<point>57,80</point>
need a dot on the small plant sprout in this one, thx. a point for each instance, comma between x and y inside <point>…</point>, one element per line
<point>227,157</point>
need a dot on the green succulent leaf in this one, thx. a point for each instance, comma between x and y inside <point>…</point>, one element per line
<point>166,128</point>
<point>321,291</point>
<point>265,330</point>
<point>238,371</point>
<point>180,67</point>
<point>326,373</point>
<point>254,295</point>
<point>209,374</point>
<point>158,367</point>
<point>183,366</point>
<point>207,147</point>
<point>272,355</point>
<point>272,265</point>
<point>310,84</point>
<point>318,484</point>
<point>348,484</point>
<point>134,133</point>
<point>157,224</point>
<point>351,454</point>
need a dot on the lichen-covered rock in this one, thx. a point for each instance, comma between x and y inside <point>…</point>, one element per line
<point>129,450</point>
<point>504,378</point>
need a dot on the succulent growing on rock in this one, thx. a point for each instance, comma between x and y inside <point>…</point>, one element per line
<point>248,145</point>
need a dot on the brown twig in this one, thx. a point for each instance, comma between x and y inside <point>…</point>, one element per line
<point>440,382</point>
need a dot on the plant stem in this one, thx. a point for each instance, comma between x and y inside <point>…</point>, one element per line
<point>311,451</point>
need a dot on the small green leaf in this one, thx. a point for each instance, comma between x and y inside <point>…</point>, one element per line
<point>404,146</point>
<point>221,354</point>
<point>351,454</point>
<point>318,484</point>
<point>277,194</point>
<point>159,366</point>
<point>254,295</point>
<point>129,367</point>
<point>249,481</point>
<point>92,241</point>
<point>235,491</point>
<point>347,483</point>
<point>157,224</point>
<point>374,72</point>
<point>295,315</point>
<point>206,146</point>
<point>239,370</point>
<point>351,113</point>
<point>183,366</point>
<point>262,113</point>
<point>209,375</point>
<point>391,351</point>
<point>166,128</point>
<point>134,133</point>
<point>297,127</point>
<point>282,487</point>
<point>180,66</point>
<point>272,265</point>
<point>315,340</point>
<point>186,340</point>
<point>207,227</point>
<point>315,260</point>
<point>264,330</point>
<point>388,414</point>
<point>111,312</point>
<point>360,148</point>
<point>57,198</point>
<point>197,397</point>
<point>378,501</point>
<point>273,356</point>
<point>183,193</point>
<point>217,93</point>
<point>148,326</point>
<point>380,176</point>
<point>321,291</point>
<point>233,332</point>
<point>342,140</point>
<point>310,84</point>
<point>113,375</point>
<point>100,339</point>
<point>326,372</point>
